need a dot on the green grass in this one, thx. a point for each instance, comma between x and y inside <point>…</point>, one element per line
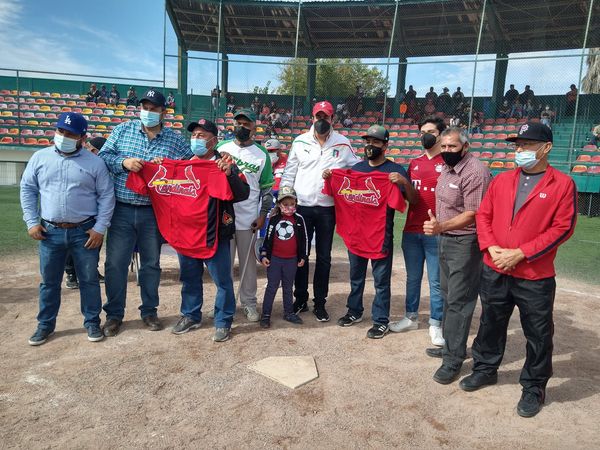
<point>13,232</point>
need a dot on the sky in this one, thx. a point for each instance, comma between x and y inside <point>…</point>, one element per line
<point>125,39</point>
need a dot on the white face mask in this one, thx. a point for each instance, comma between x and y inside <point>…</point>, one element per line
<point>274,157</point>
<point>65,144</point>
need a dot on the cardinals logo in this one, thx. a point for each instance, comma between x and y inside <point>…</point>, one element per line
<point>368,196</point>
<point>166,186</point>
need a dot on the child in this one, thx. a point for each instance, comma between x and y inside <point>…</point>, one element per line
<point>283,250</point>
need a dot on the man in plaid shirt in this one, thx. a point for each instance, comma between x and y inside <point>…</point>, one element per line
<point>126,150</point>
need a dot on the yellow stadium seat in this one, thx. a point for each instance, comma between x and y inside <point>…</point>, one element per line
<point>86,111</point>
<point>170,111</point>
<point>55,95</point>
<point>119,112</point>
<point>101,127</point>
<point>35,94</point>
<point>45,108</point>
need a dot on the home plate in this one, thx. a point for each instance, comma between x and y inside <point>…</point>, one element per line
<point>291,371</point>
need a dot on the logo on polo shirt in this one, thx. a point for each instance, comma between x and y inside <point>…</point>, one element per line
<point>169,186</point>
<point>368,196</point>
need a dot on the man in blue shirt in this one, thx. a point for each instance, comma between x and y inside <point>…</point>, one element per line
<point>68,199</point>
<point>126,150</point>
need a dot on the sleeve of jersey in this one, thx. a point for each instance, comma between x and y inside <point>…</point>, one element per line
<point>396,199</point>
<point>218,185</point>
<point>135,182</point>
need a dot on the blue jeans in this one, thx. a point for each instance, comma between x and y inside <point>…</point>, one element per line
<point>382,272</point>
<point>132,226</point>
<point>418,249</point>
<point>192,296</point>
<point>53,252</point>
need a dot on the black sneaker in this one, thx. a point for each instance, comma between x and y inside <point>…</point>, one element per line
<point>265,322</point>
<point>300,306</point>
<point>184,325</point>
<point>377,331</point>
<point>348,320</point>
<point>40,337</point>
<point>293,318</point>
<point>72,281</point>
<point>321,313</point>
<point>530,403</point>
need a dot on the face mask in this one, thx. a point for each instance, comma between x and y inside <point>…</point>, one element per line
<point>274,157</point>
<point>526,159</point>
<point>373,152</point>
<point>198,147</point>
<point>242,134</point>
<point>428,140</point>
<point>287,210</point>
<point>322,126</point>
<point>149,118</point>
<point>452,158</point>
<point>65,144</point>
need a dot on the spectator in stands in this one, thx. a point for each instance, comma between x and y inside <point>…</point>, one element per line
<point>132,99</point>
<point>529,110</point>
<point>571,98</point>
<point>256,106</point>
<point>380,100</point>
<point>505,110</point>
<point>93,94</point>
<point>595,140</point>
<point>312,152</point>
<point>546,116</point>
<point>458,96</point>
<point>114,95</point>
<point>511,95</point>
<point>134,224</point>
<point>360,92</point>
<point>229,135</point>
<point>273,105</point>
<point>516,111</point>
<point>445,103</point>
<point>67,199</point>
<point>454,121</point>
<point>230,103</point>
<point>103,97</point>
<point>476,121</point>
<point>459,191</point>
<point>519,233</point>
<point>527,95</point>
<point>431,95</point>
<point>215,95</point>
<point>284,119</point>
<point>429,108</point>
<point>411,95</point>
<point>264,112</point>
<point>403,109</point>
<point>171,100</point>
<point>348,122</point>
<point>299,109</point>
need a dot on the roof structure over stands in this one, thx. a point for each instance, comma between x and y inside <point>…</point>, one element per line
<point>364,28</point>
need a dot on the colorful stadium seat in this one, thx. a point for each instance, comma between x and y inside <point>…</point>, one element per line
<point>584,158</point>
<point>497,165</point>
<point>579,169</point>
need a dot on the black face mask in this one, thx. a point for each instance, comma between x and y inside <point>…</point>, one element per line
<point>373,152</point>
<point>242,134</point>
<point>322,126</point>
<point>452,158</point>
<point>428,140</point>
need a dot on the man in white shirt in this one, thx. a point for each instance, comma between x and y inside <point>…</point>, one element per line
<point>311,153</point>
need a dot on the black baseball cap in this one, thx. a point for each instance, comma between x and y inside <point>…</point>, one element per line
<point>533,131</point>
<point>97,142</point>
<point>206,125</point>
<point>155,97</point>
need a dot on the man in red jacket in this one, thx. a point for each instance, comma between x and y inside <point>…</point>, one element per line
<point>525,215</point>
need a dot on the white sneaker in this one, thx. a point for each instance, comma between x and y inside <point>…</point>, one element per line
<point>405,324</point>
<point>436,336</point>
<point>251,313</point>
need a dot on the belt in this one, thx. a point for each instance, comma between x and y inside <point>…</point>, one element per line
<point>67,225</point>
<point>457,235</point>
<point>134,206</point>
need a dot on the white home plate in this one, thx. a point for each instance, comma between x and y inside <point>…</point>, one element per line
<point>291,371</point>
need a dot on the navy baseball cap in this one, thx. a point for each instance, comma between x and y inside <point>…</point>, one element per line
<point>155,97</point>
<point>206,125</point>
<point>533,131</point>
<point>73,122</point>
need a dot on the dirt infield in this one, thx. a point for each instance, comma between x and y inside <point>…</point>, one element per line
<point>157,390</point>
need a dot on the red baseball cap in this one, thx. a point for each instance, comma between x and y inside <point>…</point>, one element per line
<point>323,106</point>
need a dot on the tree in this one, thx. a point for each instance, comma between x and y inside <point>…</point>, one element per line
<point>591,81</point>
<point>336,77</point>
<point>261,90</point>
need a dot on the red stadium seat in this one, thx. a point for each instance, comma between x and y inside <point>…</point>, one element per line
<point>596,159</point>
<point>497,165</point>
<point>509,165</point>
<point>579,169</point>
<point>584,158</point>
<point>486,155</point>
<point>594,170</point>
<point>499,155</point>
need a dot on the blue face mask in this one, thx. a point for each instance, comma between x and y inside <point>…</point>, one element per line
<point>526,159</point>
<point>149,118</point>
<point>198,147</point>
<point>65,144</point>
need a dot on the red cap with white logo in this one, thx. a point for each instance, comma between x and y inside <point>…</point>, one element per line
<point>323,106</point>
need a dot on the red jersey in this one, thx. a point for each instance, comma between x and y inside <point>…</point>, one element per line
<point>423,173</point>
<point>185,198</point>
<point>361,203</point>
<point>278,169</point>
<point>284,240</point>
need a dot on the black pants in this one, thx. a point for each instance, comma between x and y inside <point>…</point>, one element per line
<point>535,300</point>
<point>281,271</point>
<point>460,272</point>
<point>319,221</point>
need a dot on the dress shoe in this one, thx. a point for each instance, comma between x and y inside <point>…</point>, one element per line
<point>112,327</point>
<point>152,323</point>
<point>477,380</point>
<point>446,374</point>
<point>434,352</point>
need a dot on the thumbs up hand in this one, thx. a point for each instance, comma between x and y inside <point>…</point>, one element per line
<point>431,227</point>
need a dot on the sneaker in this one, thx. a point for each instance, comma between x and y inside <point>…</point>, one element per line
<point>100,277</point>
<point>72,281</point>
<point>221,334</point>
<point>112,327</point>
<point>321,313</point>
<point>265,322</point>
<point>377,331</point>
<point>530,403</point>
<point>348,320</point>
<point>40,337</point>
<point>300,306</point>
<point>293,318</point>
<point>435,333</point>
<point>251,313</point>
<point>184,324</point>
<point>95,333</point>
<point>405,324</point>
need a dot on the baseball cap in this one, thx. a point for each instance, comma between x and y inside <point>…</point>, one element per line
<point>155,97</point>
<point>272,144</point>
<point>286,191</point>
<point>98,142</point>
<point>73,122</point>
<point>247,113</point>
<point>533,131</point>
<point>323,106</point>
<point>377,132</point>
<point>206,125</point>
